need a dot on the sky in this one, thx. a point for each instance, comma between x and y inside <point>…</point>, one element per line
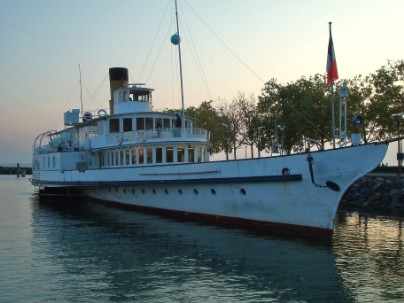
<point>228,46</point>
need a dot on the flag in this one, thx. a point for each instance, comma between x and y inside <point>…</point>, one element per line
<point>332,71</point>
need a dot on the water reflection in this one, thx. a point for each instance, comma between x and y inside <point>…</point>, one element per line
<point>95,252</point>
<point>369,255</point>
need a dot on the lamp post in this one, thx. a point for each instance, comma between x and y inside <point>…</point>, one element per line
<point>343,95</point>
<point>282,127</point>
<point>400,154</point>
<point>259,140</point>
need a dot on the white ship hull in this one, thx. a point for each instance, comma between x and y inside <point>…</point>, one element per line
<point>272,192</point>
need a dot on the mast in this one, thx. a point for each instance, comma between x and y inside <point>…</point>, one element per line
<point>332,100</point>
<point>332,74</point>
<point>81,94</point>
<point>176,40</point>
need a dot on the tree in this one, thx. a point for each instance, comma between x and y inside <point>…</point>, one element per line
<point>207,117</point>
<point>387,98</point>
<point>230,116</point>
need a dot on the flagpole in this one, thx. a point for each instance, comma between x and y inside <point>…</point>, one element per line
<point>332,100</point>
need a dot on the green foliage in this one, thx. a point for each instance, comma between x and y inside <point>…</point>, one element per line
<point>305,109</point>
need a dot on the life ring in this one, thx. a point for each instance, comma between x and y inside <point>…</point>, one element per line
<point>102,113</point>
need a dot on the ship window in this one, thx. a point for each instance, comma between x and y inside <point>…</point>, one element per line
<point>141,155</point>
<point>127,157</point>
<point>166,123</point>
<point>199,151</point>
<point>116,158</point>
<point>196,191</point>
<point>143,191</point>
<point>134,156</point>
<point>242,191</point>
<point>127,124</point>
<point>154,191</point>
<point>114,125</point>
<point>213,191</point>
<point>158,123</point>
<point>180,154</point>
<point>159,155</point>
<point>149,155</point>
<point>53,161</point>
<point>191,154</point>
<point>166,191</point>
<point>121,157</point>
<point>170,155</point>
<point>139,123</point>
<point>149,123</point>
<point>180,191</point>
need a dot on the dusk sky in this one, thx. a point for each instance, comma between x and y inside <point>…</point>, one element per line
<point>228,46</point>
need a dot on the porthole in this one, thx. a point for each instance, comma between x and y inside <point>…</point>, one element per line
<point>213,191</point>
<point>180,191</point>
<point>195,191</point>
<point>285,171</point>
<point>242,191</point>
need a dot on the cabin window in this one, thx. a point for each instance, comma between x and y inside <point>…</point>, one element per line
<point>141,155</point>
<point>166,123</point>
<point>169,155</point>
<point>180,154</point>
<point>116,158</point>
<point>134,156</point>
<point>139,123</point>
<point>112,159</point>
<point>114,125</point>
<point>127,157</point>
<point>102,159</point>
<point>199,154</point>
<point>121,157</point>
<point>158,123</point>
<point>127,124</point>
<point>149,155</point>
<point>149,123</point>
<point>53,161</point>
<point>159,155</point>
<point>191,154</point>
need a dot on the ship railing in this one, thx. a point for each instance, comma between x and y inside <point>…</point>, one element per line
<point>158,134</point>
<point>42,140</point>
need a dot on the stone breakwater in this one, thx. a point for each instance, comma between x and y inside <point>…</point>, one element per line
<point>376,194</point>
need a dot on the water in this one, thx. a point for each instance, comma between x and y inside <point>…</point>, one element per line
<point>91,253</point>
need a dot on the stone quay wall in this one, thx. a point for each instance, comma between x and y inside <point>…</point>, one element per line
<point>376,193</point>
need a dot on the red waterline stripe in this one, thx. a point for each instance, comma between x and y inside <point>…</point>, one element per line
<point>261,226</point>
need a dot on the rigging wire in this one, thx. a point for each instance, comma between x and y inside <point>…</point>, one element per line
<point>245,64</point>
<point>195,55</point>
<point>93,95</point>
<point>224,44</point>
<point>154,40</point>
<point>57,118</point>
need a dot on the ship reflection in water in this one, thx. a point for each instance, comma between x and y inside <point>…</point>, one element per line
<point>95,253</point>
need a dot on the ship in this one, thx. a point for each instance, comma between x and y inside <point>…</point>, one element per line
<point>132,156</point>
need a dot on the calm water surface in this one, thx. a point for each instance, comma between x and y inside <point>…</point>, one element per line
<point>91,253</point>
